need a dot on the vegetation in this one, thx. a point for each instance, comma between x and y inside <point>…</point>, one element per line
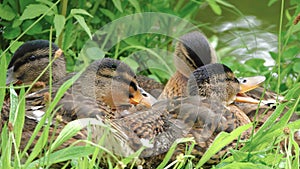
<point>71,25</point>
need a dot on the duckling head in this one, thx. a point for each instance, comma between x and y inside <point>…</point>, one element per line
<point>114,83</point>
<point>215,81</point>
<point>31,58</point>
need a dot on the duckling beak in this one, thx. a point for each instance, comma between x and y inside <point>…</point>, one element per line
<point>139,97</point>
<point>247,84</point>
<point>10,76</point>
<point>250,83</point>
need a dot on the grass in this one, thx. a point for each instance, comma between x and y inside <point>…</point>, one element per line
<point>261,150</point>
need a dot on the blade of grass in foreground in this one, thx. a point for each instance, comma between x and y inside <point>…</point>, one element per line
<point>172,149</point>
<point>41,142</point>
<point>2,80</point>
<point>221,141</point>
<point>64,155</point>
<point>272,129</point>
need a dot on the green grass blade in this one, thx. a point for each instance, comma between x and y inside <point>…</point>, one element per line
<point>2,80</point>
<point>51,107</point>
<point>221,141</point>
<point>172,149</point>
<point>64,155</point>
<point>71,129</point>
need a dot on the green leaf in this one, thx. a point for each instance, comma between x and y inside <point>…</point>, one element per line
<point>33,11</point>
<point>15,46</point>
<point>64,155</point>
<point>108,13</point>
<point>245,165</point>
<point>221,141</point>
<point>59,23</point>
<point>95,53</point>
<point>136,5</point>
<point>11,33</point>
<point>20,118</point>
<point>271,2</point>
<point>36,29</point>
<point>67,43</point>
<point>6,12</point>
<point>118,5</point>
<point>73,128</point>
<point>296,67</point>
<point>215,7</point>
<point>83,24</point>
<point>80,11</point>
<point>2,79</point>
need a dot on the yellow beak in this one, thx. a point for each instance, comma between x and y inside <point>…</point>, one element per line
<point>249,83</point>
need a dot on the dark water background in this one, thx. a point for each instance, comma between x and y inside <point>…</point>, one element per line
<point>253,35</point>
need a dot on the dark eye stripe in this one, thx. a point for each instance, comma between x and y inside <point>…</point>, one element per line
<point>26,59</point>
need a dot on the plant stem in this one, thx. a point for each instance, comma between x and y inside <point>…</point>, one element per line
<point>64,6</point>
<point>279,47</point>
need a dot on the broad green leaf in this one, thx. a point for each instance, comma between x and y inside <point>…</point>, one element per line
<point>17,23</point>
<point>11,33</point>
<point>36,29</point>
<point>296,67</point>
<point>95,53</point>
<point>59,24</point>
<point>83,24</point>
<point>50,4</point>
<point>80,11</point>
<point>118,5</point>
<point>6,12</point>
<point>214,6</point>
<point>15,46</point>
<point>33,11</point>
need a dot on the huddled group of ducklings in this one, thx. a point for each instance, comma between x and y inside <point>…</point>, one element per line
<point>200,100</point>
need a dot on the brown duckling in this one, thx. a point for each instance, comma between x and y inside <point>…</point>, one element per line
<point>201,115</point>
<point>103,90</point>
<point>192,51</point>
<point>27,63</point>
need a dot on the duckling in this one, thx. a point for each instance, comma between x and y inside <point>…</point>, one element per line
<point>107,87</point>
<point>27,63</point>
<point>201,115</point>
<point>192,51</point>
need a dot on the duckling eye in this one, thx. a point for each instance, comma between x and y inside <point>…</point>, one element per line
<point>243,80</point>
<point>32,58</point>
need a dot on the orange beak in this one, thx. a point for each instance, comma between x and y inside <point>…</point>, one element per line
<point>138,98</point>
